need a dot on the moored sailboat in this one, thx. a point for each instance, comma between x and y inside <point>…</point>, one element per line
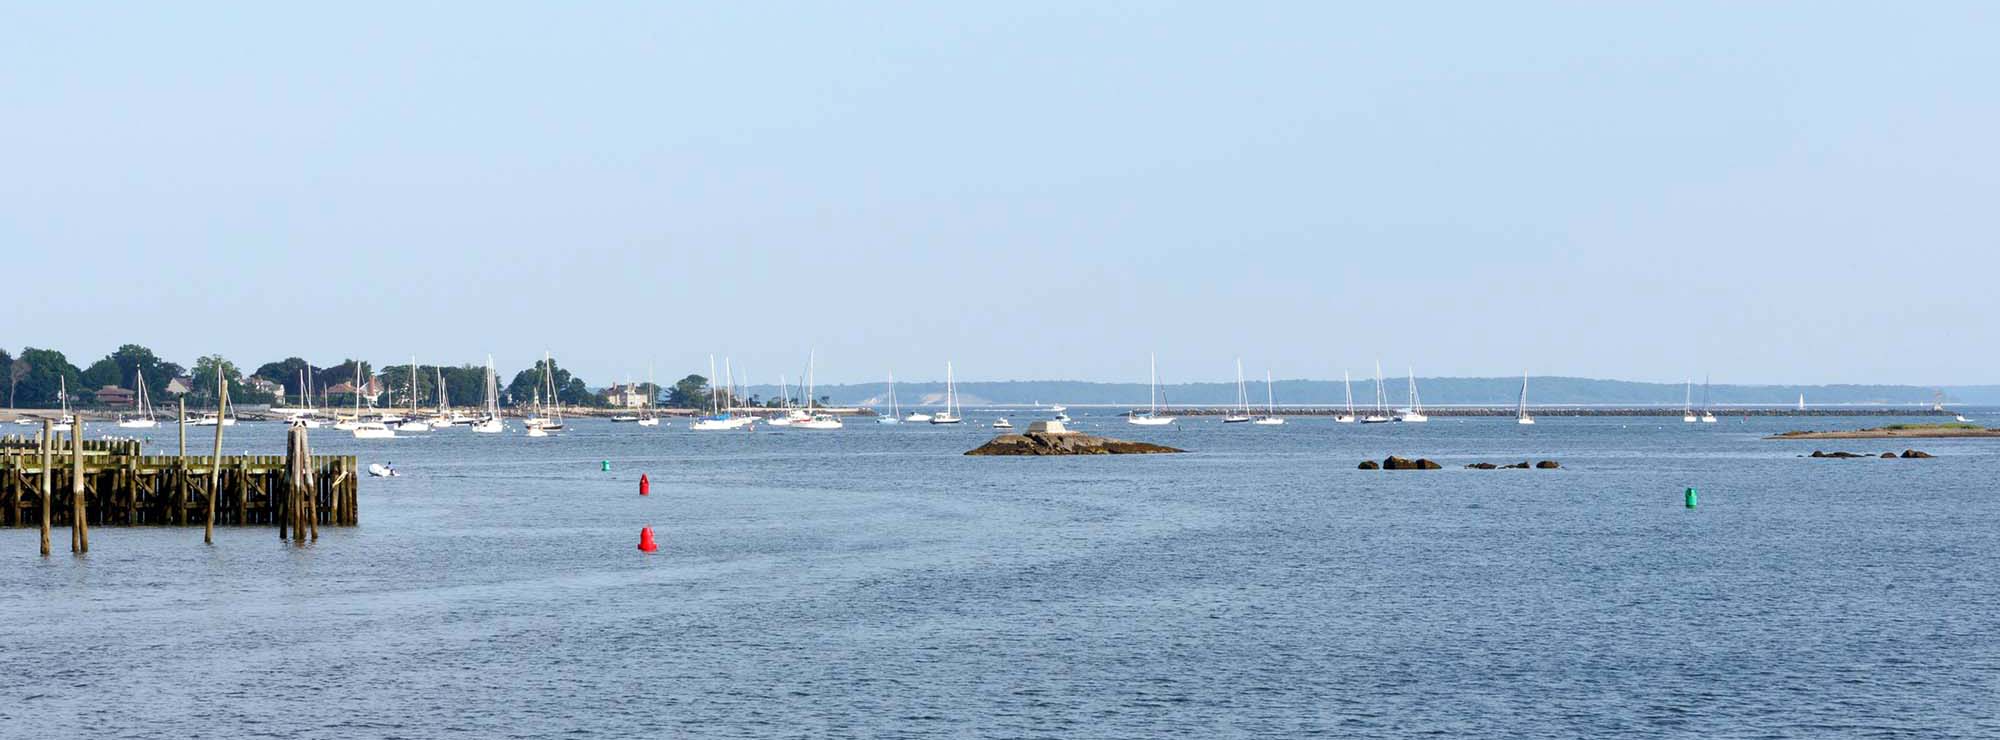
<point>1270,417</point>
<point>142,406</point>
<point>1242,413</point>
<point>950,413</point>
<point>1152,417</point>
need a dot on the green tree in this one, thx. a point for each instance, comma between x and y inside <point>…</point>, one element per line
<point>345,372</point>
<point>398,377</point>
<point>690,392</point>
<point>286,372</point>
<point>131,361</point>
<point>47,371</point>
<point>7,366</point>
<point>465,385</point>
<point>570,389</point>
<point>204,381</point>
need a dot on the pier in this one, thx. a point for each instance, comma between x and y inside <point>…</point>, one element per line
<point>112,482</point>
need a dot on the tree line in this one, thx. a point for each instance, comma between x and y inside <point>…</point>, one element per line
<point>37,376</point>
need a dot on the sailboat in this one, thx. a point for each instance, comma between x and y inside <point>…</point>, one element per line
<point>309,416</point>
<point>548,417</point>
<point>413,424</point>
<point>1152,417</point>
<point>812,420</point>
<point>1521,412</point>
<point>895,415</point>
<point>1802,402</point>
<point>1687,404</point>
<point>142,406</point>
<point>62,396</point>
<point>491,424</point>
<point>1242,413</point>
<point>950,413</point>
<point>366,429</point>
<point>652,417</point>
<point>348,423</point>
<point>1381,413</point>
<point>1349,385</point>
<point>1707,417</point>
<point>1270,417</point>
<point>718,419</point>
<point>1415,413</point>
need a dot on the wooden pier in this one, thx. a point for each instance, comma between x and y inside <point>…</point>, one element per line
<point>119,485</point>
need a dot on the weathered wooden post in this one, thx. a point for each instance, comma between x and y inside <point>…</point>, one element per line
<point>79,525</point>
<point>308,488</point>
<point>48,478</point>
<point>215,464</point>
<point>183,422</point>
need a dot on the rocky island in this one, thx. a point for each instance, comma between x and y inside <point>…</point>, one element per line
<point>1914,431</point>
<point>1050,438</point>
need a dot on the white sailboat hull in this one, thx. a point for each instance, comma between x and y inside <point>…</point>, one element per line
<point>490,426</point>
<point>917,418</point>
<point>649,422</point>
<point>1413,418</point>
<point>1269,421</point>
<point>138,424</point>
<point>1524,420</point>
<point>818,423</point>
<point>1150,421</point>
<point>945,419</point>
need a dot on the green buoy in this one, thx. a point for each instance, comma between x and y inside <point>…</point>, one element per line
<point>1692,498</point>
<point>607,469</point>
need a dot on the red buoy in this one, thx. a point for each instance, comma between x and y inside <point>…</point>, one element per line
<point>646,540</point>
<point>645,486</point>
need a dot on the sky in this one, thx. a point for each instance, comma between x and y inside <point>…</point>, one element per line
<point>1755,192</point>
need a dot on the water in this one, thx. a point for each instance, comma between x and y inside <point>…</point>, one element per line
<point>874,582</point>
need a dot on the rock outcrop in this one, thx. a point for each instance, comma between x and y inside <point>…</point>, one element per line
<point>1912,454</point>
<point>1522,465</point>
<point>1370,465</point>
<point>1397,463</point>
<point>1035,443</point>
<point>1547,465</point>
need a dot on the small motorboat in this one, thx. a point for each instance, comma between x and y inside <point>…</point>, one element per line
<point>1002,424</point>
<point>379,470</point>
<point>621,418</point>
<point>373,430</point>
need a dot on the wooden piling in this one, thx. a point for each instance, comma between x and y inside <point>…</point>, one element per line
<point>48,479</point>
<point>215,464</point>
<point>183,422</point>
<point>79,525</point>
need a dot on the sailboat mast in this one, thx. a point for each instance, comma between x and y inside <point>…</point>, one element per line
<point>1153,383</point>
<point>1270,398</point>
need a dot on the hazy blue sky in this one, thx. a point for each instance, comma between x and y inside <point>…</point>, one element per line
<point>1765,192</point>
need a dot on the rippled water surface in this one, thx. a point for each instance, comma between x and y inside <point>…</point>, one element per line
<point>874,582</point>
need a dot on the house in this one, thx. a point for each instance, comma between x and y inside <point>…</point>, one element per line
<point>180,386</point>
<point>115,397</point>
<point>265,385</point>
<point>629,396</point>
